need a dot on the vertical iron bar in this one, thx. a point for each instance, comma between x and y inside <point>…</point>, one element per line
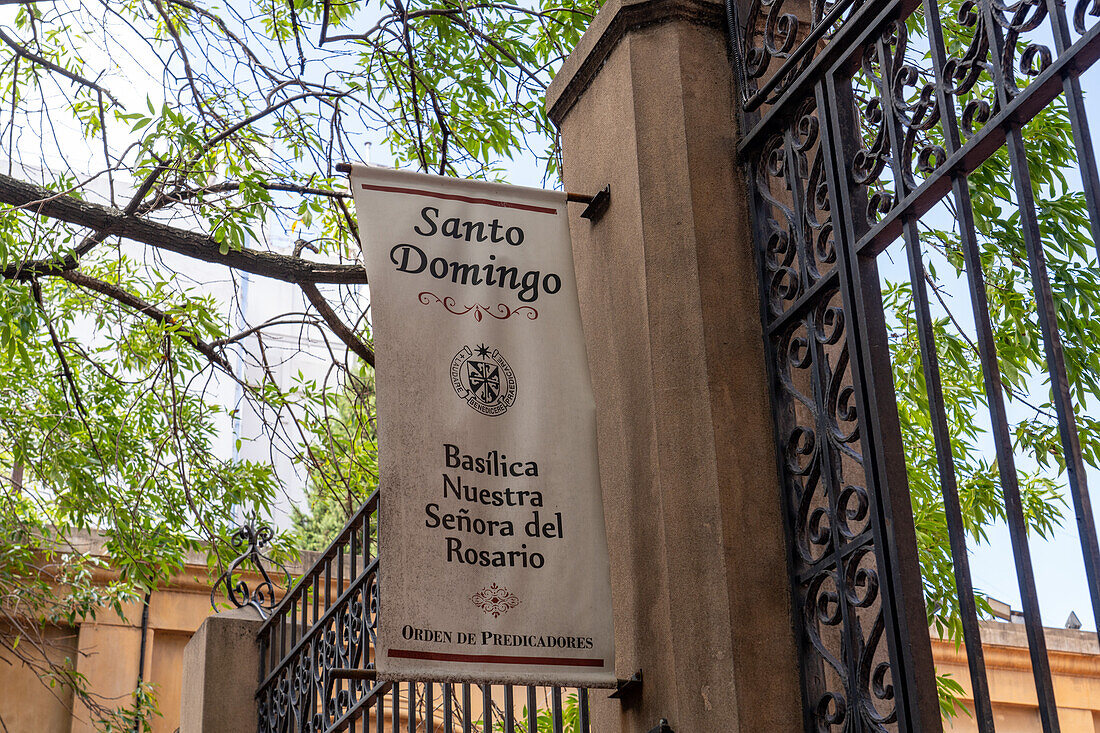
<point>282,635</point>
<point>467,721</point>
<point>395,709</point>
<point>532,710</point>
<point>410,707</point>
<point>1086,157</point>
<point>930,363</point>
<point>486,708</point>
<point>509,709</point>
<point>582,711</point>
<point>340,571</point>
<point>366,539</point>
<point>1067,424</point>
<point>956,529</point>
<point>903,610</point>
<point>328,584</point>
<point>556,712</point>
<point>304,588</point>
<point>1017,523</point>
<point>293,623</point>
<point>448,715</point>
<point>1086,154</point>
<point>429,707</point>
<point>353,552</point>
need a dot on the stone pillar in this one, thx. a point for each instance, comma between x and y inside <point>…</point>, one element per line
<point>221,671</point>
<point>671,311</point>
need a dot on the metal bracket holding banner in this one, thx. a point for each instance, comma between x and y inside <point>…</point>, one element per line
<point>662,727</point>
<point>629,689</point>
<point>596,205</point>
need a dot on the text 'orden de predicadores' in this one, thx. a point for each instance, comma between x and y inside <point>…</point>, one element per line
<point>463,525</point>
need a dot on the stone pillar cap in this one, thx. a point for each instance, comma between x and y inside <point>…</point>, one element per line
<point>615,19</point>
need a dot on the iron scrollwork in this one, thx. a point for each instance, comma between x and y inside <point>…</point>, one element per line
<point>779,40</point>
<point>848,673</point>
<point>304,694</point>
<point>253,538</point>
<point>790,180</point>
<point>318,645</point>
<point>844,157</point>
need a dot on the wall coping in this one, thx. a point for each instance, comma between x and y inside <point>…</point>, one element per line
<point>92,543</point>
<point>611,24</point>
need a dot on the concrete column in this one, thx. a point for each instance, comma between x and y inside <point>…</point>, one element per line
<point>221,671</point>
<point>669,300</point>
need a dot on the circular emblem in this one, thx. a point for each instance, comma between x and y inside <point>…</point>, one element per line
<point>484,379</point>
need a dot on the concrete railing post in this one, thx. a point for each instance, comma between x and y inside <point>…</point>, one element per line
<point>221,671</point>
<point>671,310</point>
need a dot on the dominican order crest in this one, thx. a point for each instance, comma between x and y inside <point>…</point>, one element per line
<point>484,379</point>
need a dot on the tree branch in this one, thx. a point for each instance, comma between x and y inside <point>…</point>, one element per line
<point>36,291</point>
<point>35,58</point>
<point>184,194</point>
<point>147,309</point>
<point>111,221</point>
<point>338,327</point>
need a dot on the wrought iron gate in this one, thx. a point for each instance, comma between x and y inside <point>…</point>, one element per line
<point>859,118</point>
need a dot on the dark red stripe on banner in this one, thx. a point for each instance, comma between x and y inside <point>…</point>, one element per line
<point>457,197</point>
<point>494,658</point>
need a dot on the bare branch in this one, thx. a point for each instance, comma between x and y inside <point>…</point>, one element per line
<point>338,326</point>
<point>181,195</point>
<point>35,58</point>
<point>55,340</point>
<point>217,343</point>
<point>111,221</point>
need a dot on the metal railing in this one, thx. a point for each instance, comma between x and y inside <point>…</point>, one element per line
<point>317,671</point>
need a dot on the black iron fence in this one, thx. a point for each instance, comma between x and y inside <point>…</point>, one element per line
<point>863,121</point>
<point>317,662</point>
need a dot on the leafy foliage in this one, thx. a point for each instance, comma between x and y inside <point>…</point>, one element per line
<point>346,463</point>
<point>215,131</point>
<point>544,719</point>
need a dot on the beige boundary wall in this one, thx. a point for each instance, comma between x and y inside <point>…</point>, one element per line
<point>1074,665</point>
<point>29,707</point>
<point>107,651</point>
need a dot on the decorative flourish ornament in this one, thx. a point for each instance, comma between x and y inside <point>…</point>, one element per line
<point>500,311</point>
<point>495,599</point>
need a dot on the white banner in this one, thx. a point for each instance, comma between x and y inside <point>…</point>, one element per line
<point>493,552</point>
